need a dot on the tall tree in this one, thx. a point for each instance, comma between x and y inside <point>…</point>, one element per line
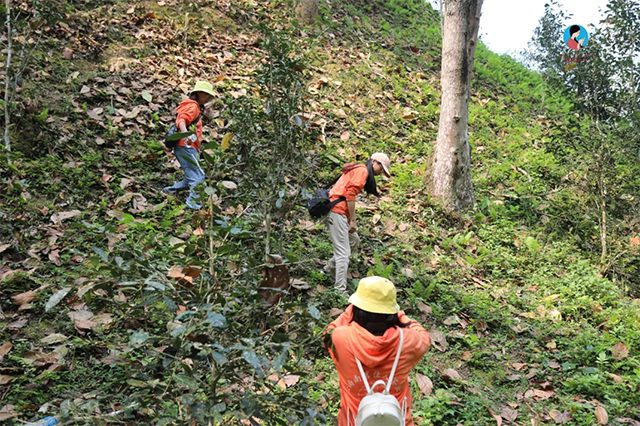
<point>450,178</point>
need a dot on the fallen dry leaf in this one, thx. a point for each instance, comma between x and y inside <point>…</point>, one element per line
<point>438,340</point>
<point>539,394</point>
<point>519,366</point>
<point>24,298</point>
<point>59,217</point>
<point>616,378</point>
<point>424,383</point>
<point>601,415</point>
<point>67,53</point>
<point>466,355</point>
<point>5,348</point>
<point>345,136</point>
<point>560,417</point>
<point>425,309</point>
<point>7,412</point>
<point>451,375</point>
<point>334,312</point>
<point>619,351</point>
<point>509,415</point>
<point>53,338</point>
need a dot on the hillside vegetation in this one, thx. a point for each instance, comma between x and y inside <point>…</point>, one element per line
<point>121,306</point>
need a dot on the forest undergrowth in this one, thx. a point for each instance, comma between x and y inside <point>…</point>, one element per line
<point>119,305</point>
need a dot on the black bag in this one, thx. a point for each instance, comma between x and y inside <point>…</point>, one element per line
<point>171,143</point>
<point>321,205</point>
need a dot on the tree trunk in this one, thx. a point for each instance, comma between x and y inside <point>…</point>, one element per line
<point>450,172</point>
<point>307,11</point>
<point>7,117</point>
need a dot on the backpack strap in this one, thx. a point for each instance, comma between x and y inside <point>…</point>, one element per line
<point>395,363</point>
<point>393,370</point>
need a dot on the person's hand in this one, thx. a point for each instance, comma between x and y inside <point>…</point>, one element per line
<point>190,139</point>
<point>166,150</point>
<point>581,41</point>
<point>352,226</point>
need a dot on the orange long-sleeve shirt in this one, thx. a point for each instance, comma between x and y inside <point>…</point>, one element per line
<point>348,186</point>
<point>376,353</point>
<point>188,111</point>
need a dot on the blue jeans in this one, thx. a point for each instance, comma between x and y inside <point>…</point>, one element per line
<point>188,159</point>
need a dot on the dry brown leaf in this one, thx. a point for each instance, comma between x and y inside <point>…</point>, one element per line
<point>601,415</point>
<point>5,348</point>
<point>554,365</point>
<point>345,136</point>
<point>466,355</point>
<point>438,340</point>
<point>402,227</point>
<point>425,309</point>
<point>560,417</point>
<point>509,415</point>
<point>539,394</point>
<point>67,53</point>
<point>291,380</point>
<point>635,241</point>
<point>334,312</point>
<point>424,383</point>
<point>5,379</point>
<point>59,217</point>
<point>451,375</point>
<point>54,256</point>
<point>519,366</point>
<point>24,298</point>
<point>53,338</point>
<point>407,272</point>
<point>3,247</point>
<point>7,412</point>
<point>452,319</point>
<point>616,378</point>
<point>619,351</point>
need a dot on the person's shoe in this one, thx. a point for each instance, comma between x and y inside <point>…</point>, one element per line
<point>329,271</point>
<point>169,190</point>
<point>194,206</point>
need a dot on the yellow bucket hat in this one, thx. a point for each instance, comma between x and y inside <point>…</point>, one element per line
<point>376,295</point>
<point>204,86</point>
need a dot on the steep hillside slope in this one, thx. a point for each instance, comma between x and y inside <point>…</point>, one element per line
<point>121,306</point>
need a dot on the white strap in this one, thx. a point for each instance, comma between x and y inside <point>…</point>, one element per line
<point>395,363</point>
<point>393,370</point>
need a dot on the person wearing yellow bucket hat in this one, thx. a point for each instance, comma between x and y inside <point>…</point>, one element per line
<point>368,333</point>
<point>188,149</point>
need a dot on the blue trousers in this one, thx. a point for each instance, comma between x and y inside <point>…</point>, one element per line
<point>188,159</point>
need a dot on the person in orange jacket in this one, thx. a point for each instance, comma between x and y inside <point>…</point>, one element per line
<point>369,330</point>
<point>187,151</point>
<point>342,218</point>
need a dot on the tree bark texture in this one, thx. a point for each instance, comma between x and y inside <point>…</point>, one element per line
<point>307,11</point>
<point>451,172</point>
<point>7,116</point>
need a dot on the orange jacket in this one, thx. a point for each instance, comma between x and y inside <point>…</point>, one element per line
<point>348,186</point>
<point>188,111</point>
<point>376,353</point>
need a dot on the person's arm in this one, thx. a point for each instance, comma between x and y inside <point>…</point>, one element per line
<point>187,113</point>
<point>358,177</point>
<point>352,216</point>
<point>424,340</point>
<point>344,319</point>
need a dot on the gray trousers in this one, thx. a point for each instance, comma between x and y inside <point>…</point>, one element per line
<point>343,244</point>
